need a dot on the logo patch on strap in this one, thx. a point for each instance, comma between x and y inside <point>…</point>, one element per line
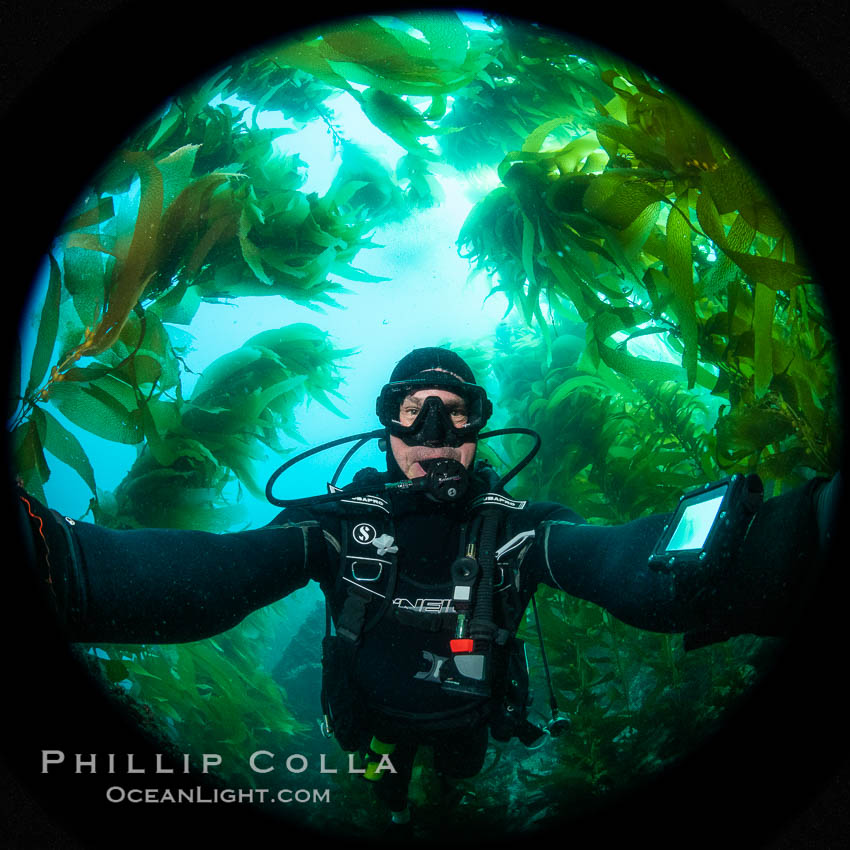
<point>364,533</point>
<point>369,501</point>
<point>496,499</point>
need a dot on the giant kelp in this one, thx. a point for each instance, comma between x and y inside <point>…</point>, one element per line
<point>619,218</point>
<point>646,222</point>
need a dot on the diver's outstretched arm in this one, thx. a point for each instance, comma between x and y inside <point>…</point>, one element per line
<point>758,591</point>
<point>162,585</point>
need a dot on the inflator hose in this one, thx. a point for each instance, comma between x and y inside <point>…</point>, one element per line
<point>482,626</point>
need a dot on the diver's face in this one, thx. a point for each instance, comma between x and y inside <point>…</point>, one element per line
<point>408,457</point>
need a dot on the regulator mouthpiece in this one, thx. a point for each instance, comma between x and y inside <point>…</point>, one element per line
<point>445,479</point>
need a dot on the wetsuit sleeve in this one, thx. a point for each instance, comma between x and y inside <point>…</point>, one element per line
<point>608,565</point>
<point>759,591</point>
<point>162,585</point>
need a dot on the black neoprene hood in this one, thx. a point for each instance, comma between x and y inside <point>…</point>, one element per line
<point>427,359</point>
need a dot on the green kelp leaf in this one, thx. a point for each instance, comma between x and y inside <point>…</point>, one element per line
<point>634,237</point>
<point>681,277</point>
<point>322,397</point>
<point>86,274</point>
<point>566,350</point>
<point>733,187</point>
<point>313,233</point>
<point>292,267</point>
<point>437,109</point>
<point>167,124</point>
<point>176,169</point>
<point>619,200</point>
<point>192,223</point>
<point>648,150</point>
<point>785,465</point>
<point>422,189</point>
<point>365,42</point>
<point>535,139</point>
<point>131,276</point>
<point>341,192</point>
<point>739,238</point>
<point>529,237</point>
<point>308,56</point>
<point>571,386</point>
<point>92,372</point>
<point>166,452</point>
<point>254,405</point>
<point>777,274</point>
<point>576,152</point>
<point>639,368</point>
<point>365,53</point>
<point>115,670</point>
<point>251,252</point>
<point>164,414</point>
<point>281,340</point>
<point>750,429</point>
<point>48,327</point>
<point>102,210</point>
<point>29,461</point>
<point>398,119</point>
<point>144,674</point>
<point>179,305</point>
<point>94,409</point>
<point>571,285</point>
<point>62,444</point>
<point>261,362</point>
<point>141,370</point>
<point>156,345</point>
<point>447,37</point>
<point>765,302</point>
<point>348,272</point>
<point>232,454</point>
<point>165,498</point>
<point>290,209</point>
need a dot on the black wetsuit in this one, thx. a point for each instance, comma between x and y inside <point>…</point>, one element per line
<point>165,586</point>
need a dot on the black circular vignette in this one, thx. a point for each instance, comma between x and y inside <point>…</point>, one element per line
<point>77,78</point>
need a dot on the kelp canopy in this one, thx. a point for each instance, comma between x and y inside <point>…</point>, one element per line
<point>662,330</point>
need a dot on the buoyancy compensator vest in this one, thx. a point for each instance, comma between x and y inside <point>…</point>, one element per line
<point>484,664</point>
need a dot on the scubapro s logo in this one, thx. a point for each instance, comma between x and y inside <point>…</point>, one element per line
<point>363,532</point>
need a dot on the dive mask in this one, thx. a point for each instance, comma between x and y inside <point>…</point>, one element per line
<point>433,424</point>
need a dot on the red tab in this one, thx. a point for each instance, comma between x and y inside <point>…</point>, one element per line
<point>461,644</point>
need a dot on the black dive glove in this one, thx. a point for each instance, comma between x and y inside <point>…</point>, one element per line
<point>765,588</point>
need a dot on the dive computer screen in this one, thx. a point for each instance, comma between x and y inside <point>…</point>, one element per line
<point>695,522</point>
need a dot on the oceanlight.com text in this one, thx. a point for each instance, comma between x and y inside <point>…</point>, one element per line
<point>199,794</point>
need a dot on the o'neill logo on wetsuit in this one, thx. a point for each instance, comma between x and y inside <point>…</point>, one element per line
<point>427,606</point>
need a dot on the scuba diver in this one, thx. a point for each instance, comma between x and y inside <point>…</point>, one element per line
<point>427,569</point>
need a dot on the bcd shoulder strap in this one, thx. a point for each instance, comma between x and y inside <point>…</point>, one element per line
<point>368,567</point>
